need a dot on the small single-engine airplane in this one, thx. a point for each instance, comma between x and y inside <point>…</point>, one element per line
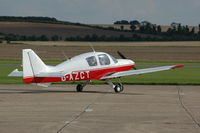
<point>87,66</point>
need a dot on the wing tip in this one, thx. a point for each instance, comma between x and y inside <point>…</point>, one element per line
<point>177,66</point>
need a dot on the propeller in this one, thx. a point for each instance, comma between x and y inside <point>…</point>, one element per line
<point>124,57</point>
<point>121,55</point>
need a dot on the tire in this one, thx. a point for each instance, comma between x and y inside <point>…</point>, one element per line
<point>79,88</point>
<point>118,88</point>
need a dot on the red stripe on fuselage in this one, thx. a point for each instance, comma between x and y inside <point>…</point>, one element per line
<point>94,74</point>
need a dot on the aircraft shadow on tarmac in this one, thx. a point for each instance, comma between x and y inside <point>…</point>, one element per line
<point>23,91</point>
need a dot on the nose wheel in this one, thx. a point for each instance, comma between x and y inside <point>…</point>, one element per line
<point>118,87</point>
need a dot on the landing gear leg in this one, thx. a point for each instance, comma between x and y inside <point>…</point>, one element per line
<point>118,87</point>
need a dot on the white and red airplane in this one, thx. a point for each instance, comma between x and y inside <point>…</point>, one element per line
<point>87,66</point>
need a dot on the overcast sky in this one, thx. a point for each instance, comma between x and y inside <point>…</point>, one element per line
<point>107,11</point>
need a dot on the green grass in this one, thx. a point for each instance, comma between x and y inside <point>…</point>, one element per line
<point>4,79</point>
<point>182,76</point>
<point>166,63</point>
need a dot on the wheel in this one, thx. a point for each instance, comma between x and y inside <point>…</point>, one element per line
<point>79,88</point>
<point>118,87</point>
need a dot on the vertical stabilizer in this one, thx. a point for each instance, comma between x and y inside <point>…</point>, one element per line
<point>32,65</point>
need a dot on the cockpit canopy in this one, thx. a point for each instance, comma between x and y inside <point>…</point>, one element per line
<point>104,59</point>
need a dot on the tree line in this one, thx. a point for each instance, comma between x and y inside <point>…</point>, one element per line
<point>175,32</point>
<point>95,37</point>
<point>141,31</point>
<point>13,37</point>
<point>28,19</point>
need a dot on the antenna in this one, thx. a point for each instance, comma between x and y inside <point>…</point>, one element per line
<point>65,55</point>
<point>91,47</point>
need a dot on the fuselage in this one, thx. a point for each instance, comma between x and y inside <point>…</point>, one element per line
<point>87,66</point>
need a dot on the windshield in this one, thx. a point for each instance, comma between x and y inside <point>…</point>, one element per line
<point>114,59</point>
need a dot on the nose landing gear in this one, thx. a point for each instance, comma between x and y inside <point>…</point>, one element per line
<point>118,87</point>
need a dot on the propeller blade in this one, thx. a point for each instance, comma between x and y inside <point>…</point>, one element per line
<point>121,55</point>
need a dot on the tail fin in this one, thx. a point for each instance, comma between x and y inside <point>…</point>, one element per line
<point>32,65</point>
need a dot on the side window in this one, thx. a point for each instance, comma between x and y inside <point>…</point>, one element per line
<point>92,61</point>
<point>103,59</point>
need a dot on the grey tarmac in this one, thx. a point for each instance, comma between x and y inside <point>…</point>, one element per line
<point>139,109</point>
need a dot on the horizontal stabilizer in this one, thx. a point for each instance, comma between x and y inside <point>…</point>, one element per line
<point>16,73</point>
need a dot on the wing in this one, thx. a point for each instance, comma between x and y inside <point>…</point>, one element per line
<point>141,71</point>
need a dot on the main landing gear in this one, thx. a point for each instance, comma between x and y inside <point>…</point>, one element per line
<point>79,88</point>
